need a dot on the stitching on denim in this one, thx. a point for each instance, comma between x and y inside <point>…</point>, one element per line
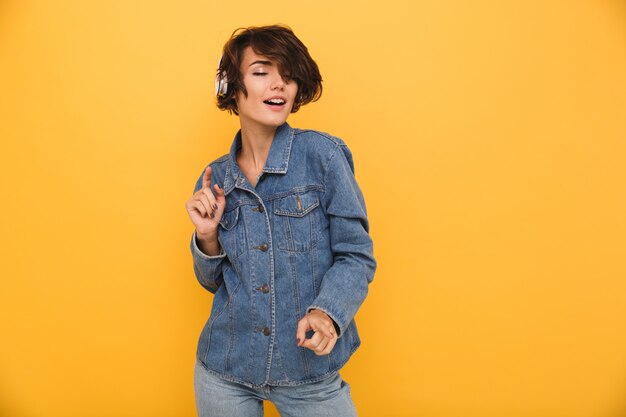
<point>210,328</point>
<point>289,244</point>
<point>221,159</point>
<point>234,213</point>
<point>251,344</point>
<point>246,201</point>
<point>280,363</point>
<point>326,170</point>
<point>239,248</point>
<point>195,251</point>
<point>272,296</point>
<point>288,235</point>
<point>353,332</point>
<point>284,384</point>
<point>298,314</point>
<point>286,154</point>
<point>333,139</point>
<point>313,255</point>
<point>231,333</point>
<point>303,213</point>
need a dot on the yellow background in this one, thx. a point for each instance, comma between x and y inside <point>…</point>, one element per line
<point>489,141</point>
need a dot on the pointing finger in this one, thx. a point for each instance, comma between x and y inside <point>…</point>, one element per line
<point>206,179</point>
<point>209,195</point>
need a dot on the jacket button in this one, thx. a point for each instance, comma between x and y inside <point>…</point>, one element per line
<point>261,247</point>
<point>266,331</point>
<point>261,209</point>
<point>265,288</point>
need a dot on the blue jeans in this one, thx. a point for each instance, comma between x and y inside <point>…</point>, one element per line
<point>217,397</point>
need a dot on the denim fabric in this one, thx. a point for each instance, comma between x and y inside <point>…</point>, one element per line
<point>298,240</point>
<point>217,397</point>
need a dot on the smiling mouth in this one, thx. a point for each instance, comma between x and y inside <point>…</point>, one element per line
<point>275,102</point>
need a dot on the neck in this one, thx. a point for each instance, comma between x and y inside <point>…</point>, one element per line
<point>256,141</point>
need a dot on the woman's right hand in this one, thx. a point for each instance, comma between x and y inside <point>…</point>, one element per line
<point>204,208</point>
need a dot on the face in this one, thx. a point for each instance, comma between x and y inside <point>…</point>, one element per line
<point>270,96</point>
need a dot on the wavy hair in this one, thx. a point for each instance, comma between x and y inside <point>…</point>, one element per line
<point>277,42</point>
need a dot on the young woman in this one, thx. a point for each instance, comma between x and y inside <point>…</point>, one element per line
<point>281,241</point>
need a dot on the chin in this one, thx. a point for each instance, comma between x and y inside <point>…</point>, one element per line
<point>276,122</point>
<point>272,120</point>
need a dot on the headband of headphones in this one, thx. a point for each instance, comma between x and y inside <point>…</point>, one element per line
<point>221,82</point>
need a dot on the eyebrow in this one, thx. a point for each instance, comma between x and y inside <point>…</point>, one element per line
<point>261,62</point>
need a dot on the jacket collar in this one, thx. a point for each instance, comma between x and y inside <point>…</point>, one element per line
<point>277,159</point>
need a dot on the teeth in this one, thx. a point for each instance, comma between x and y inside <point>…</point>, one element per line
<point>276,101</point>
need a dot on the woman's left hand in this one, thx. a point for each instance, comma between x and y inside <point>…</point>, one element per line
<point>324,338</point>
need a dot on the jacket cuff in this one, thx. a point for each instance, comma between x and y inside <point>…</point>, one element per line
<point>197,252</point>
<point>207,268</point>
<point>338,328</point>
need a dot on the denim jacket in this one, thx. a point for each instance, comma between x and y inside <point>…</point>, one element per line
<point>298,240</point>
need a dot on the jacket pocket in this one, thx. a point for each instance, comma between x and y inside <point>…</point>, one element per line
<point>296,221</point>
<point>232,233</point>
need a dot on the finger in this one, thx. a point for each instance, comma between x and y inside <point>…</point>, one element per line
<point>320,321</point>
<point>320,325</point>
<point>314,341</point>
<point>303,326</point>
<point>206,179</point>
<point>220,196</point>
<point>210,198</point>
<point>329,346</point>
<point>200,207</point>
<point>207,205</point>
<point>218,191</point>
<point>322,345</point>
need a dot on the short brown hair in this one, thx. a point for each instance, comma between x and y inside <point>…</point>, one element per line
<point>277,42</point>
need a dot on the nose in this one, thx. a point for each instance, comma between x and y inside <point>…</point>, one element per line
<point>278,82</point>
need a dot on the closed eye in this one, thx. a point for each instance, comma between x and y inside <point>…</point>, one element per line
<point>259,73</point>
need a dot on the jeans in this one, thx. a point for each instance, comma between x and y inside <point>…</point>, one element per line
<point>217,397</point>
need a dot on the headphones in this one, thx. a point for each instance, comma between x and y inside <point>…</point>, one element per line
<point>221,82</point>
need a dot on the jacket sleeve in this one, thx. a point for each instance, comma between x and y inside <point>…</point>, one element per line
<point>208,269</point>
<point>345,284</point>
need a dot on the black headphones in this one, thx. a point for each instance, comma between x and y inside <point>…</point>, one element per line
<point>221,82</point>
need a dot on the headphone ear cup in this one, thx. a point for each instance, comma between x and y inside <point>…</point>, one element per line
<point>221,85</point>
<point>221,82</point>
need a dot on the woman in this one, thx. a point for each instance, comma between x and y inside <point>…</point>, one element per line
<point>281,241</point>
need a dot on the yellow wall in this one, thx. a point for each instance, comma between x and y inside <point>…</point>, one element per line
<point>489,141</point>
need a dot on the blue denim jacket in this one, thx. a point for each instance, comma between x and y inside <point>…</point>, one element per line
<point>296,241</point>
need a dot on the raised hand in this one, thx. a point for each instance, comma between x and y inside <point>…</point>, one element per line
<point>205,209</point>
